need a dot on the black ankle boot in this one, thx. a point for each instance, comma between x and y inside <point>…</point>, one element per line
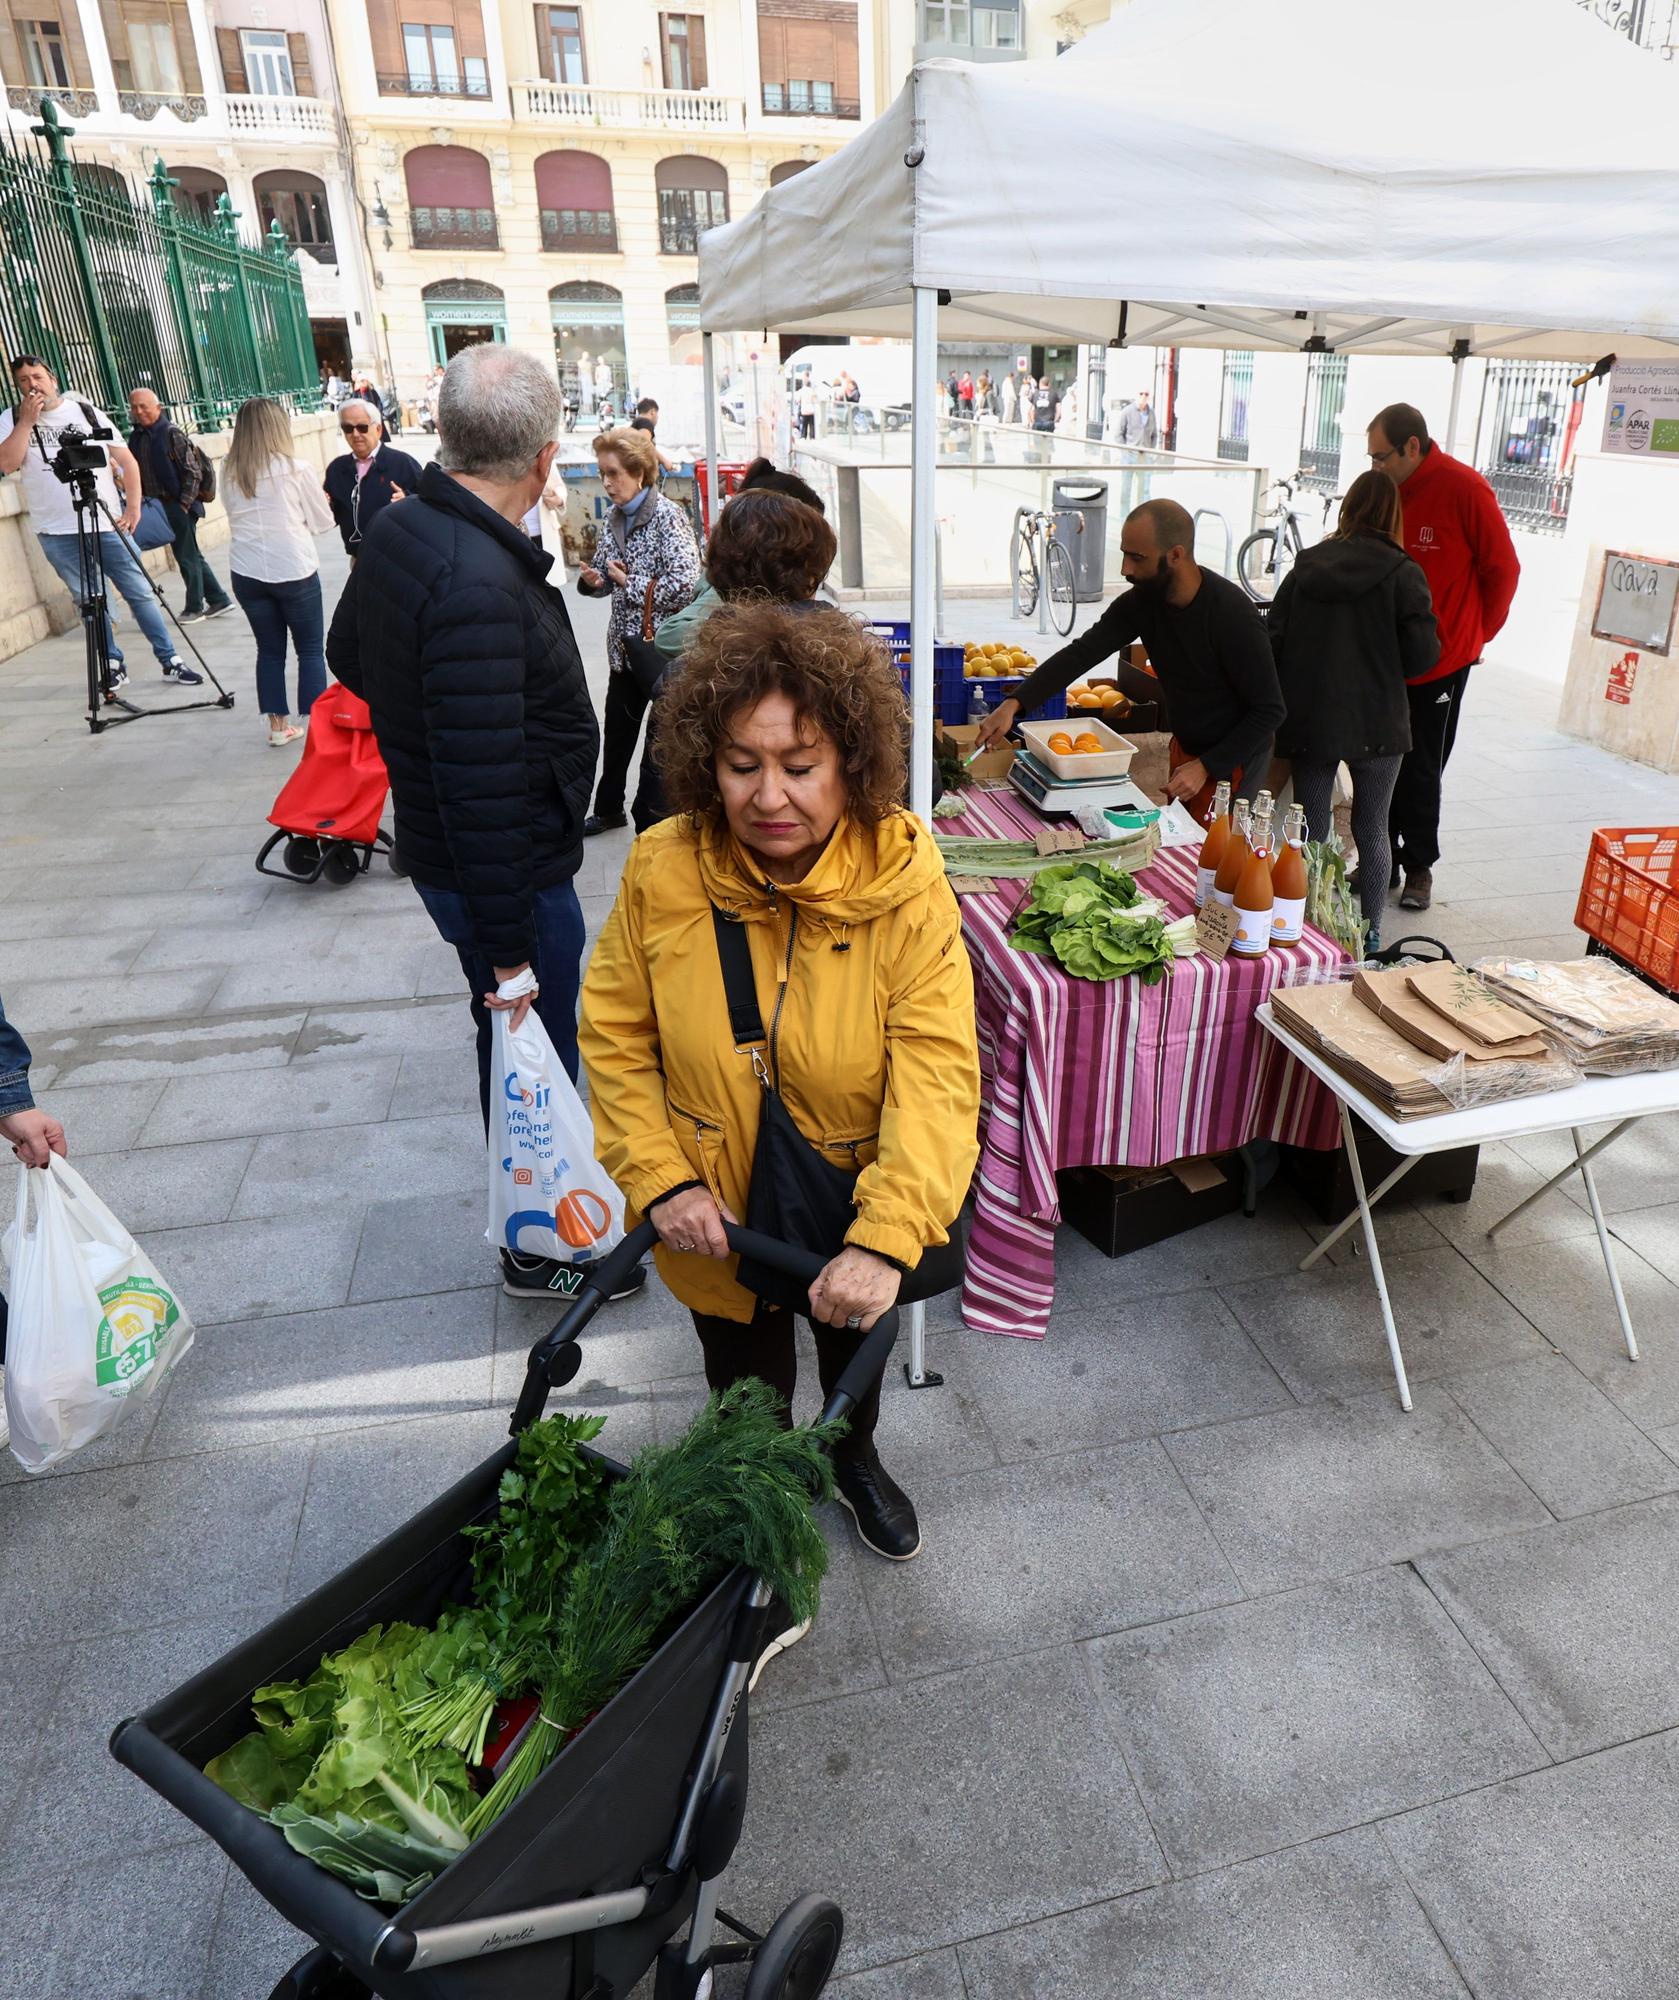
<point>878,1504</point>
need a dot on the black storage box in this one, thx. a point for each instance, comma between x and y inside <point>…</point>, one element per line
<point>1120,1209</point>
<point>1326,1182</point>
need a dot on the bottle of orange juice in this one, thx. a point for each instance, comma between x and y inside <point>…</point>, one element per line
<point>1288,880</point>
<point>1255,898</point>
<point>1212,848</point>
<point>1236,851</point>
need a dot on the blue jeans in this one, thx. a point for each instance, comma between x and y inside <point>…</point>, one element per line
<point>275,609</point>
<point>557,919</point>
<point>123,573</point>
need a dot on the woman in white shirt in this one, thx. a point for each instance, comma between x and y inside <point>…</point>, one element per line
<point>275,509</point>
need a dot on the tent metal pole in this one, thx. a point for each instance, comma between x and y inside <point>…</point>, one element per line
<point>714,477</point>
<point>1457,404</point>
<point>923,529</point>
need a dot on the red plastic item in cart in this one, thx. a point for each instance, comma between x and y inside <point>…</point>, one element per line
<point>1629,898</point>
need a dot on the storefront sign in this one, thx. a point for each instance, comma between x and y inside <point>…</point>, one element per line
<point>1643,415</point>
<point>1635,602</point>
<point>1623,675</point>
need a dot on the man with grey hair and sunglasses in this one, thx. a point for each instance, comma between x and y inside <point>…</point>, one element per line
<point>369,476</point>
<point>450,631</point>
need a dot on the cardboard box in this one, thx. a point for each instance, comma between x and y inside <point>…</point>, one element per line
<point>1326,1182</point>
<point>956,739</point>
<point>1120,1209</point>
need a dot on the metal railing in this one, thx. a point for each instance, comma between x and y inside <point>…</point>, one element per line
<point>281,117</point>
<point>453,229</point>
<point>117,290</point>
<point>593,104</point>
<point>73,103</point>
<point>187,105</point>
<point>583,232</point>
<point>1523,441</point>
<point>1647,24</point>
<point>837,107</point>
<point>407,85</point>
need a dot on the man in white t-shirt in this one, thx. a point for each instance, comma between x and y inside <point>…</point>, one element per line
<point>31,433</point>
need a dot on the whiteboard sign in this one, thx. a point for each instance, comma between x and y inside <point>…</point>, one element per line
<point>1635,602</point>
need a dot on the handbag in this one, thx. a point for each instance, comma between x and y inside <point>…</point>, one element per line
<point>795,1194</point>
<point>647,665</point>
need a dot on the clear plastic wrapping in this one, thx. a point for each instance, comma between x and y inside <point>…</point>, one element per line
<point>1606,1019</point>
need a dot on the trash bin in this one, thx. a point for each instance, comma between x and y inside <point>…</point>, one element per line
<point>1080,507</point>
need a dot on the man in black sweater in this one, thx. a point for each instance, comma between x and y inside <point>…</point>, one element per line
<point>1213,671</point>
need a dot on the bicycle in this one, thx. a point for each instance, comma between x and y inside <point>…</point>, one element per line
<point>1268,554</point>
<point>1027,571</point>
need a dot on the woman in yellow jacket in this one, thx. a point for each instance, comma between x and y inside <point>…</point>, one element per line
<point>781,743</point>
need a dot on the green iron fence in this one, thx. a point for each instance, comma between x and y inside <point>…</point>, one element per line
<point>121,290</point>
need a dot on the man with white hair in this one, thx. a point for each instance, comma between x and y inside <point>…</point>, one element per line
<point>369,476</point>
<point>450,631</point>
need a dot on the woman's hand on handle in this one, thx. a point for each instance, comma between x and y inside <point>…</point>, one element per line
<point>693,1221</point>
<point>854,1290</point>
<point>997,724</point>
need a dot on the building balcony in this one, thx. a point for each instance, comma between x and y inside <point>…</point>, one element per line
<point>476,88</point>
<point>777,106</point>
<point>588,104</point>
<point>73,103</point>
<point>580,232</point>
<point>303,118</point>
<point>186,105</point>
<point>453,229</point>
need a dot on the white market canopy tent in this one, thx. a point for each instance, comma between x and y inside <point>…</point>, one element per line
<point>1231,174</point>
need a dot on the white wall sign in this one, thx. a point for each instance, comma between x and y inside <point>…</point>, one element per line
<point>1635,602</point>
<point>1642,419</point>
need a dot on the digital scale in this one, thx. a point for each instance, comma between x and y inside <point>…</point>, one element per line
<point>1040,787</point>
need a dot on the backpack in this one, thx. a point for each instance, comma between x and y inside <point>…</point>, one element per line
<point>206,471</point>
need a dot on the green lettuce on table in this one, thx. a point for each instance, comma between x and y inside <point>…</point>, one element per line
<point>1093,920</point>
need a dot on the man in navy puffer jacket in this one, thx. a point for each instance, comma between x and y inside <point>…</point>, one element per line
<point>450,632</point>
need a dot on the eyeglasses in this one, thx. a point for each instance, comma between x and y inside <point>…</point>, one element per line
<point>348,428</point>
<point>1382,457</point>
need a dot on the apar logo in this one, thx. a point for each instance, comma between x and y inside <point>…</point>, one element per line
<point>1638,430</point>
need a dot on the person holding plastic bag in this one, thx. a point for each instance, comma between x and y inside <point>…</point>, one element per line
<point>92,1327</point>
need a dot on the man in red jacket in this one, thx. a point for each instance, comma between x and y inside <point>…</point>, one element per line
<point>1456,533</point>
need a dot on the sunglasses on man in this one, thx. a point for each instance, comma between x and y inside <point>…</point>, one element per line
<point>348,428</point>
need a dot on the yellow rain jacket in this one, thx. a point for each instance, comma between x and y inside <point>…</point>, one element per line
<point>866,994</point>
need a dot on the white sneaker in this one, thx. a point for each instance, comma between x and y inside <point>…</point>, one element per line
<point>784,1643</point>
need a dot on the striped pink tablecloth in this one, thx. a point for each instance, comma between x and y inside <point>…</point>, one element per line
<point>1081,1073</point>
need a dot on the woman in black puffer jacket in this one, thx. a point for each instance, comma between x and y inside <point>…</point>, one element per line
<point>1353,621</point>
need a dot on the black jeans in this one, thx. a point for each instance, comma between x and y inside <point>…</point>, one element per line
<point>1414,817</point>
<point>201,581</point>
<point>764,1347</point>
<point>621,726</point>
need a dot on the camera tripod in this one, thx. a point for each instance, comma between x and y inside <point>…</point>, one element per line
<point>92,603</point>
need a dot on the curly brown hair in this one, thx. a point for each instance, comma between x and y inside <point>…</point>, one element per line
<point>838,677</point>
<point>768,543</point>
<point>633,451</point>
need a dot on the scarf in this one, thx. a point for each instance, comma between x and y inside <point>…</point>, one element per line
<point>622,517</point>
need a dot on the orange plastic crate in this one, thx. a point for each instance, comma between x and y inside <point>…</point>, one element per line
<point>1629,899</point>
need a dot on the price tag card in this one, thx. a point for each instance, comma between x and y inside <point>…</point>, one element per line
<point>1059,840</point>
<point>973,885</point>
<point>1215,929</point>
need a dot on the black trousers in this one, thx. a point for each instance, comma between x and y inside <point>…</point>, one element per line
<point>765,1348</point>
<point>1414,816</point>
<point>620,729</point>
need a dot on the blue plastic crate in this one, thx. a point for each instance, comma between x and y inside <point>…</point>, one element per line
<point>950,693</point>
<point>1003,687</point>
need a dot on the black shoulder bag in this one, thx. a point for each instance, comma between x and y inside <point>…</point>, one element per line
<point>795,1194</point>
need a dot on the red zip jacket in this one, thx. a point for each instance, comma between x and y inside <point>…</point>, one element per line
<point>1456,532</point>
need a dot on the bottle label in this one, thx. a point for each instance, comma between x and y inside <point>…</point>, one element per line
<point>1225,896</point>
<point>1288,919</point>
<point>1253,932</point>
<point>1203,884</point>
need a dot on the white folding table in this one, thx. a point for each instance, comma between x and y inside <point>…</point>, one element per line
<point>1617,1101</point>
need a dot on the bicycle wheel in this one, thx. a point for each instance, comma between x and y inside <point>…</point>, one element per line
<point>1023,572</point>
<point>1058,575</point>
<point>1262,562</point>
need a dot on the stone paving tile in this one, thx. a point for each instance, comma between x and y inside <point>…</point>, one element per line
<point>49,883</point>
<point>1334,1488</point>
<point>430,1086</point>
<point>1503,1179</point>
<point>272,1101</point>
<point>1128,1370</point>
<point>933,1976</point>
<point>97,1056</point>
<point>1025,1556</point>
<point>1322,1329</point>
<point>333,1034</point>
<point>1228,1248</point>
<point>419,1244</point>
<point>1634,1173</point>
<point>1565,1438</point>
<point>647,1338</point>
<point>1578,1621</point>
<point>315,1372</point>
<point>1654,1234</point>
<point>169,1187</point>
<point>228,1271</point>
<point>1560,1886</point>
<point>219,1528</point>
<point>1263,1725</point>
<point>281,934</point>
<point>294,1171</point>
<point>108,1118</point>
<point>1327,1921</point>
<point>144,1934</point>
<point>103,957</point>
<point>251,1947</point>
<point>98,1003</point>
<point>948,1807</point>
<point>325,981</point>
<point>840,1654</point>
<point>81,915</point>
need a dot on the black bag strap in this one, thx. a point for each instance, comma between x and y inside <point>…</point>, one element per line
<point>734,952</point>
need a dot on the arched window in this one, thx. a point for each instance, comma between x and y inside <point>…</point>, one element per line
<point>450,202</point>
<point>589,350</point>
<point>460,312</point>
<point>787,170</point>
<point>682,321</point>
<point>297,201</point>
<point>574,198</point>
<point>196,192</point>
<point>693,196</point>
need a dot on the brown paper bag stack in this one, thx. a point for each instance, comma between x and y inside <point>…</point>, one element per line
<point>1609,1022</point>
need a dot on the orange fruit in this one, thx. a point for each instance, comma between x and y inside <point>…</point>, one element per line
<point>1063,745</point>
<point>1087,745</point>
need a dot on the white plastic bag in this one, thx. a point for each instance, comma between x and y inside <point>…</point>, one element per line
<point>548,1195</point>
<point>93,1329</point>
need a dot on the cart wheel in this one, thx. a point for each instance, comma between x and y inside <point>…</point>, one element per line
<point>341,863</point>
<point>794,1961</point>
<point>301,856</point>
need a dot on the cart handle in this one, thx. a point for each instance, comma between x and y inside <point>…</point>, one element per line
<point>551,1367</point>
